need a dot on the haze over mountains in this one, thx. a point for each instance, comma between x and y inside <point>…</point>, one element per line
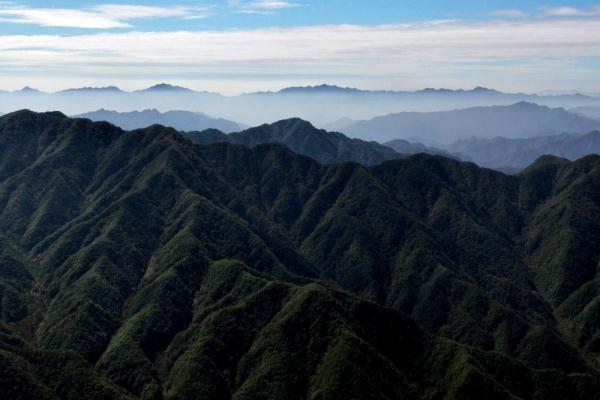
<point>517,154</point>
<point>590,112</point>
<point>492,137</point>
<point>520,120</point>
<point>142,265</point>
<point>180,120</point>
<point>319,104</point>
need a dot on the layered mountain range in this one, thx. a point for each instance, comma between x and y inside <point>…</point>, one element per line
<point>476,130</point>
<point>303,138</point>
<point>318,104</point>
<point>180,120</point>
<point>144,265</point>
<point>516,154</point>
<point>516,121</point>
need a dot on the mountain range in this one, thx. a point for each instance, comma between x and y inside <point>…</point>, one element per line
<point>298,135</point>
<point>303,138</point>
<point>180,120</point>
<point>142,265</point>
<point>520,120</point>
<point>405,147</point>
<point>505,154</point>
<point>320,104</point>
<point>516,154</point>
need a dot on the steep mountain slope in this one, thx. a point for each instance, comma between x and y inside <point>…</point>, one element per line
<point>563,254</point>
<point>108,251</point>
<point>180,120</point>
<point>502,153</point>
<point>521,120</point>
<point>251,336</point>
<point>303,138</point>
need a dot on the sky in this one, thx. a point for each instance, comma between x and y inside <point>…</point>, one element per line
<point>235,46</point>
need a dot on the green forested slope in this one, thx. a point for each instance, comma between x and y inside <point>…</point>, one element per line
<point>110,285</point>
<point>303,138</point>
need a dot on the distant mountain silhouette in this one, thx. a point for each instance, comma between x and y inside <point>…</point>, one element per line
<point>180,120</point>
<point>338,125</point>
<point>107,89</point>
<point>405,147</point>
<point>320,104</point>
<point>165,87</point>
<point>27,90</point>
<point>520,120</point>
<point>321,89</point>
<point>516,154</point>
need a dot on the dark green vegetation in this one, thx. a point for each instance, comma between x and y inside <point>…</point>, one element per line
<point>303,138</point>
<point>141,265</point>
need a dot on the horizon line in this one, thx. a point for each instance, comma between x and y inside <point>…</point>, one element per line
<point>173,87</point>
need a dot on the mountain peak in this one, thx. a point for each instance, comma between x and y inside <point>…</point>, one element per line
<point>440,90</point>
<point>323,88</point>
<point>544,162</point>
<point>93,89</point>
<point>481,89</point>
<point>28,89</point>
<point>32,115</point>
<point>165,87</point>
<point>296,122</point>
<point>528,105</point>
<point>478,89</point>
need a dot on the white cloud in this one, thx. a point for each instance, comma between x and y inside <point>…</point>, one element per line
<point>104,16</point>
<point>500,51</point>
<point>510,13</point>
<point>128,12</point>
<point>571,11</point>
<point>449,40</point>
<point>261,6</point>
<point>272,5</point>
<point>55,17</point>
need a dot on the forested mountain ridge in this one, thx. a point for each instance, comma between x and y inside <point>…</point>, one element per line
<point>111,284</point>
<point>303,138</point>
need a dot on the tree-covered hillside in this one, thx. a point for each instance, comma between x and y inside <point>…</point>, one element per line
<point>303,138</point>
<point>141,265</point>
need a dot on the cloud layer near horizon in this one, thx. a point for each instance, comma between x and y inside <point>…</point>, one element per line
<point>502,50</point>
<point>102,16</point>
<point>117,16</point>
